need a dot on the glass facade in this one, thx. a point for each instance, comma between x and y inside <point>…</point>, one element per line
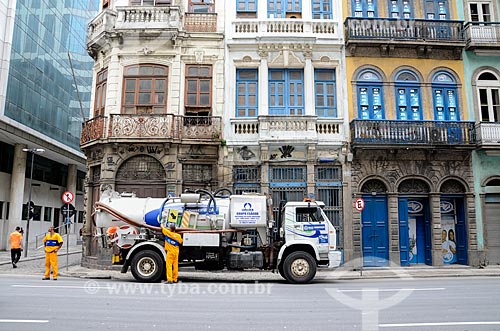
<point>41,93</point>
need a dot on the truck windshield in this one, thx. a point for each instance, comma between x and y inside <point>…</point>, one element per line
<point>309,214</point>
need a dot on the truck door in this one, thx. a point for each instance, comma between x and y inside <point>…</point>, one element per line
<point>309,225</point>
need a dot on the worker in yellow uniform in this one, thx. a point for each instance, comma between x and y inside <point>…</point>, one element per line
<point>16,246</point>
<point>52,242</point>
<point>172,242</point>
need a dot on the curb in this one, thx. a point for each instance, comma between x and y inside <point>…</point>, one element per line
<point>27,259</point>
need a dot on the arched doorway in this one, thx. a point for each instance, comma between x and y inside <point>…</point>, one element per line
<point>453,222</point>
<point>374,230</point>
<point>142,175</point>
<point>415,231</point>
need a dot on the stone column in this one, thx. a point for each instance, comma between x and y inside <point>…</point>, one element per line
<point>393,226</point>
<point>306,10</point>
<point>309,88</point>
<point>347,212</point>
<point>436,238</point>
<point>263,84</point>
<point>16,200</point>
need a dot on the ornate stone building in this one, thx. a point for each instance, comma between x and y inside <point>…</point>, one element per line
<point>285,110</point>
<point>410,135</point>
<point>156,128</point>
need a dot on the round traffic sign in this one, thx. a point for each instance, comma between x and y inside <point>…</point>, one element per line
<point>68,197</point>
<point>359,204</point>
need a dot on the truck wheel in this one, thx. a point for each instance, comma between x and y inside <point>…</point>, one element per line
<point>148,266</point>
<point>281,271</point>
<point>299,268</point>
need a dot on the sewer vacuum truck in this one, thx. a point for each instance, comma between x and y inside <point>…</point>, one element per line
<point>219,231</point>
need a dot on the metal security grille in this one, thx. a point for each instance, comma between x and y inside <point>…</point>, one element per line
<point>288,175</point>
<point>329,190</point>
<point>246,179</point>
<point>196,176</point>
<point>141,167</point>
<point>287,184</point>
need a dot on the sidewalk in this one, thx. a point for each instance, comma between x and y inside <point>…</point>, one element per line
<point>34,264</point>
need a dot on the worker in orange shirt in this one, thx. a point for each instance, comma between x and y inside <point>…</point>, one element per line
<point>16,246</point>
<point>52,242</point>
<point>172,242</point>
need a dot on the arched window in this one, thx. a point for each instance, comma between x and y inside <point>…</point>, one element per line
<point>444,94</point>
<point>408,96</point>
<point>145,89</point>
<point>488,91</point>
<point>370,95</point>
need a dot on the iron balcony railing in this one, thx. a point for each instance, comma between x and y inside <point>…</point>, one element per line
<point>395,132</point>
<point>482,34</point>
<point>151,126</point>
<point>371,29</point>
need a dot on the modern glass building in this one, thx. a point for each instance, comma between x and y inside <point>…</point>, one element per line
<point>40,107</point>
<point>41,92</point>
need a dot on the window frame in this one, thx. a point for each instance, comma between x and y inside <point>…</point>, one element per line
<point>323,14</point>
<point>325,83</point>
<point>480,11</point>
<point>408,86</point>
<point>100,92</point>
<point>246,4</point>
<point>364,6</point>
<point>489,86</point>
<point>142,108</point>
<point>198,107</point>
<point>400,9</point>
<point>445,89</point>
<point>370,85</point>
<point>194,6</point>
<point>280,8</point>
<point>246,107</point>
<point>286,109</point>
<point>436,10</point>
<point>155,3</point>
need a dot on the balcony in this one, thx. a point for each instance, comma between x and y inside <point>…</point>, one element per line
<point>483,37</point>
<point>252,28</point>
<point>93,129</point>
<point>389,34</point>
<point>431,134</point>
<point>99,28</point>
<point>488,134</point>
<point>200,22</point>
<point>286,128</point>
<point>147,18</point>
<point>156,127</point>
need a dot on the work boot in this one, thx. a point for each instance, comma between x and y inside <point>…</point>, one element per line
<point>14,265</point>
<point>46,278</point>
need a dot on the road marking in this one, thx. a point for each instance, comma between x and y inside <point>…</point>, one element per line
<point>399,325</point>
<point>24,321</point>
<point>394,289</point>
<point>57,286</point>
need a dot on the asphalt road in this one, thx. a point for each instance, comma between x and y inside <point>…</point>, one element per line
<point>28,303</point>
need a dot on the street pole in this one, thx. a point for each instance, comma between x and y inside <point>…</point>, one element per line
<point>68,219</point>
<point>29,206</point>
<point>33,151</point>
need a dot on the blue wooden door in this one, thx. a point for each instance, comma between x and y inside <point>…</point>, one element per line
<point>461,229</point>
<point>374,233</point>
<point>404,244</point>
